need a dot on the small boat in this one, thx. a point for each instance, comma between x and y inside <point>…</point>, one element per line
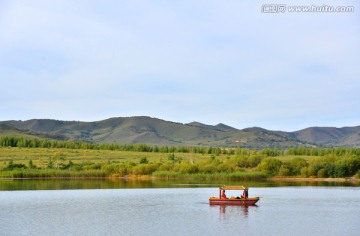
<point>237,201</point>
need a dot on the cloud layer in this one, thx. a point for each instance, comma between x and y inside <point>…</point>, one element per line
<point>207,61</point>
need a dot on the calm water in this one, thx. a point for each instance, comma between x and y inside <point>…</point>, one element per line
<point>294,210</point>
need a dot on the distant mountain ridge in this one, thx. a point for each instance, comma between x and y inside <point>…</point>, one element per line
<point>220,126</point>
<point>154,131</point>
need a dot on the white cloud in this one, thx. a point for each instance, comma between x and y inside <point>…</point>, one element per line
<point>210,61</point>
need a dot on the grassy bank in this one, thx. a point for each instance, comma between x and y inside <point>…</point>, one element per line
<point>51,173</point>
<point>239,164</point>
<point>206,176</point>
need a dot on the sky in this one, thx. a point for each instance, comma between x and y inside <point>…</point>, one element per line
<point>210,61</point>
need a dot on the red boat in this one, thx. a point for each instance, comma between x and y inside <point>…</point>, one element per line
<point>243,200</point>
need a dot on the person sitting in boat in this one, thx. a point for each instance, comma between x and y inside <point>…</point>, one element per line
<point>223,195</point>
<point>245,193</point>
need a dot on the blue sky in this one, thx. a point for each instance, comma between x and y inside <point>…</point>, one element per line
<point>183,61</point>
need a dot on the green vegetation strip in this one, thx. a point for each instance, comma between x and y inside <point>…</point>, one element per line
<point>21,158</point>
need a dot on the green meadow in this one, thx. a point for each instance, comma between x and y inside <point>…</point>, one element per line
<point>43,159</point>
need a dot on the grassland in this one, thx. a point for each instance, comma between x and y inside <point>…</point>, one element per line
<point>41,156</point>
<point>18,162</point>
<point>239,164</point>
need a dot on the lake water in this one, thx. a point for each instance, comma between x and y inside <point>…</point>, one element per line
<point>180,210</point>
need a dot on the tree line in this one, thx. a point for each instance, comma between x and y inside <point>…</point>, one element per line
<point>7,141</point>
<point>46,143</point>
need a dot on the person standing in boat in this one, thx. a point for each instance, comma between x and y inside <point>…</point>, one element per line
<point>245,193</point>
<point>223,195</point>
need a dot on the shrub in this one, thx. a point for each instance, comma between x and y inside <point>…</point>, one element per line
<point>270,165</point>
<point>12,166</point>
<point>144,160</point>
<point>110,168</point>
<point>296,165</point>
<point>347,166</point>
<point>207,168</point>
<point>254,161</point>
<point>330,170</point>
<point>166,174</point>
<point>242,162</point>
<point>340,171</point>
<point>304,172</point>
<point>31,165</point>
<point>358,174</point>
<point>144,169</point>
<point>284,170</point>
<point>321,173</point>
<point>186,168</point>
<point>166,167</point>
<point>311,171</point>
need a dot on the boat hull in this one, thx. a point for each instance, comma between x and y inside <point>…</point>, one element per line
<point>234,201</point>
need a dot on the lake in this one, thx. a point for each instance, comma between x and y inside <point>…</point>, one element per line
<point>177,209</point>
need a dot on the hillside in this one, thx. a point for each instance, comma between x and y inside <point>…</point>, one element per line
<point>330,136</point>
<point>11,131</point>
<point>153,131</point>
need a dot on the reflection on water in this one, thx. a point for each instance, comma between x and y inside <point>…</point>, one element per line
<point>57,184</point>
<point>233,210</point>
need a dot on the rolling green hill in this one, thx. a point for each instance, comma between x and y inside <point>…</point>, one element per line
<point>153,131</point>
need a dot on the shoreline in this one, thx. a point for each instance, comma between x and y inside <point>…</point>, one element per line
<point>313,179</point>
<point>148,177</point>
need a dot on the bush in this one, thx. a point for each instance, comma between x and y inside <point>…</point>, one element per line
<point>340,171</point>
<point>174,158</point>
<point>143,160</point>
<point>166,174</point>
<point>358,174</point>
<point>284,170</point>
<point>144,169</point>
<point>311,171</point>
<point>242,162</point>
<point>207,168</point>
<point>330,170</point>
<point>254,161</point>
<point>110,168</point>
<point>296,165</point>
<point>166,167</point>
<point>12,166</point>
<point>304,172</point>
<point>321,173</point>
<point>347,166</point>
<point>186,168</point>
<point>270,165</point>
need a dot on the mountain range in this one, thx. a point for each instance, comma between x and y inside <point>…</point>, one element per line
<point>153,131</point>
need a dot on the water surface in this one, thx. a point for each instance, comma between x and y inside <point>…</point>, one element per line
<point>60,184</point>
<point>180,211</point>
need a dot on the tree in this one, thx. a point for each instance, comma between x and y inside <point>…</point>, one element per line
<point>296,165</point>
<point>50,164</point>
<point>31,165</point>
<point>270,165</point>
<point>285,170</point>
<point>144,160</point>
